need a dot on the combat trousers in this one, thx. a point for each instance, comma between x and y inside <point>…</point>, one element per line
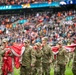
<point>59,69</point>
<point>33,71</point>
<point>10,73</point>
<point>46,68</point>
<point>25,71</point>
<point>0,71</point>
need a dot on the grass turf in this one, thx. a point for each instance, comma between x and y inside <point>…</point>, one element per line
<point>67,72</point>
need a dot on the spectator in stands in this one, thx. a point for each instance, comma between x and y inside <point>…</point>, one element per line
<point>55,27</point>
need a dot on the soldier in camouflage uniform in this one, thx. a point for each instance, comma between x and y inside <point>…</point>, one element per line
<point>61,60</point>
<point>47,57</point>
<point>27,59</point>
<point>2,51</point>
<point>74,60</point>
<point>38,63</point>
<point>74,63</point>
<point>0,59</point>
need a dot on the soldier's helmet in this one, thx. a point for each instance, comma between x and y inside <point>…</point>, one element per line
<point>5,40</point>
<point>38,44</point>
<point>45,38</point>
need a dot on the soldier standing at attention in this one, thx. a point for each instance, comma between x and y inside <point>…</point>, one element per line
<point>1,60</point>
<point>28,59</point>
<point>74,63</point>
<point>61,60</point>
<point>2,51</point>
<point>7,68</point>
<point>38,63</point>
<point>74,60</point>
<point>47,57</point>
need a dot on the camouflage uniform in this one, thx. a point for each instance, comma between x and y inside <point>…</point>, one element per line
<point>1,54</point>
<point>47,58</point>
<point>38,63</point>
<point>2,51</point>
<point>74,63</point>
<point>60,63</point>
<point>70,57</point>
<point>27,60</point>
<point>6,49</point>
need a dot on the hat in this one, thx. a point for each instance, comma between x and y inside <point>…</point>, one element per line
<point>25,41</point>
<point>38,44</point>
<point>5,40</point>
<point>45,38</point>
<point>60,42</point>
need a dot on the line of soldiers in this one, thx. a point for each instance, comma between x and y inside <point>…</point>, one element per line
<point>38,59</point>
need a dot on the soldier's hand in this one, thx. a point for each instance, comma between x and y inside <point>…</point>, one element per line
<point>7,49</point>
<point>32,65</point>
<point>65,63</point>
<point>50,61</point>
<point>5,58</point>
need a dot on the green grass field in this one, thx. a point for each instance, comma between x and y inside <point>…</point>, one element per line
<point>67,72</point>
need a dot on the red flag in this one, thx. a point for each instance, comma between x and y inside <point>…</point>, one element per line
<point>17,51</point>
<point>7,62</point>
<point>16,62</point>
<point>70,48</point>
<point>55,50</point>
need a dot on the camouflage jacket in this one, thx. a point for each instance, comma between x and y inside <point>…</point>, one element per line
<point>74,56</point>
<point>1,54</point>
<point>47,54</point>
<point>28,57</point>
<point>38,55</point>
<point>61,57</point>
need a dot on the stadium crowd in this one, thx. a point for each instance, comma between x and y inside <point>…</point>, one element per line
<point>35,33</point>
<point>13,2</point>
<point>55,26</point>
